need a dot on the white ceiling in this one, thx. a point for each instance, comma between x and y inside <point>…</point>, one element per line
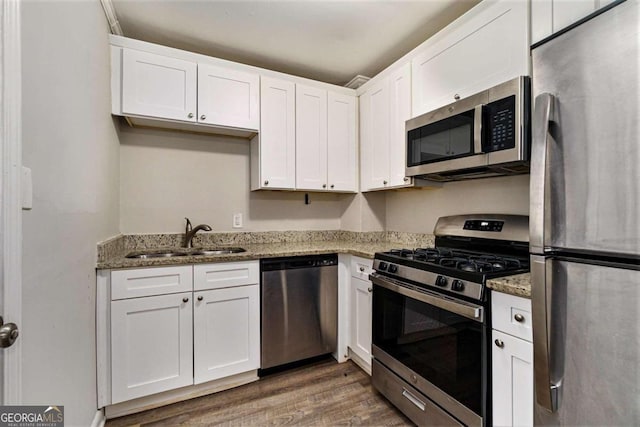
<point>330,41</point>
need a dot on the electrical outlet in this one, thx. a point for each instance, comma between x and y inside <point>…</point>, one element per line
<point>237,220</point>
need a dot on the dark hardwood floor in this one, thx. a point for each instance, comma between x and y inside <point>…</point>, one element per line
<point>324,393</point>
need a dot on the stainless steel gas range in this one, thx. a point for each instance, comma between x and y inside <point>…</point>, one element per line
<point>431,324</point>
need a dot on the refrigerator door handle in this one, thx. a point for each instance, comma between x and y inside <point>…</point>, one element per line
<point>544,115</point>
<point>548,391</point>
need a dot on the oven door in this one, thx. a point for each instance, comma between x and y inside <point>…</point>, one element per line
<point>435,343</point>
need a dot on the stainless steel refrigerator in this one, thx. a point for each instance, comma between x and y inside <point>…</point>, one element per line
<point>585,222</point>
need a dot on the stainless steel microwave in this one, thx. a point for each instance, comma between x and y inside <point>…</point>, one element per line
<point>480,136</point>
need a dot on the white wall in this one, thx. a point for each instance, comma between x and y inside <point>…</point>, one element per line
<point>71,144</point>
<point>166,176</point>
<point>417,211</point>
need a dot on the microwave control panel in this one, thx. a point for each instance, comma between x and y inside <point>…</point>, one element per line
<point>500,124</point>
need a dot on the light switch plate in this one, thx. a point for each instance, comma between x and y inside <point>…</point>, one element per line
<point>237,220</point>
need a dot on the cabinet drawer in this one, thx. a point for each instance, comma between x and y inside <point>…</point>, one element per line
<point>511,315</point>
<point>361,267</point>
<point>146,282</point>
<point>225,275</point>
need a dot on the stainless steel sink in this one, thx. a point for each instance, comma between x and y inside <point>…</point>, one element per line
<point>170,253</point>
<point>217,251</point>
<point>155,254</point>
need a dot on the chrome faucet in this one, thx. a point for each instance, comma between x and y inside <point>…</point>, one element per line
<point>190,232</point>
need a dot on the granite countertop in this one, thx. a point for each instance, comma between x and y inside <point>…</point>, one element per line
<point>518,285</point>
<point>257,251</point>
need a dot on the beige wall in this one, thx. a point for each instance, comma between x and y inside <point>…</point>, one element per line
<point>70,143</point>
<point>418,210</point>
<point>166,176</point>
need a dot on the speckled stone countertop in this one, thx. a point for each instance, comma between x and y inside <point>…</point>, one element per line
<point>111,253</point>
<point>518,285</point>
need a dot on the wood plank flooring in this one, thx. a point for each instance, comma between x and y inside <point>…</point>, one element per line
<point>325,393</point>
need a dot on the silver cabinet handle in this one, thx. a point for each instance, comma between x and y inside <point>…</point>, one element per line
<point>361,269</point>
<point>190,115</point>
<point>8,333</point>
<point>200,298</point>
<point>370,289</point>
<point>544,115</point>
<point>411,398</point>
<point>185,299</point>
<point>266,182</point>
<point>406,179</point>
<point>324,185</point>
<point>548,356</point>
<point>519,318</point>
<point>456,96</point>
<point>384,182</point>
<point>202,117</point>
<point>499,343</point>
<point>332,185</point>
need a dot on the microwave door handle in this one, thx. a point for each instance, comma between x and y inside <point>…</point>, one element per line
<point>544,115</point>
<point>548,336</point>
<point>477,129</point>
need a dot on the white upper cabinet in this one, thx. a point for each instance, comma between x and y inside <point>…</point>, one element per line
<point>550,16</point>
<point>342,147</point>
<point>273,152</point>
<point>485,47</point>
<point>311,138</point>
<point>158,86</point>
<point>228,97</point>
<point>400,112</point>
<point>384,108</point>
<point>374,137</point>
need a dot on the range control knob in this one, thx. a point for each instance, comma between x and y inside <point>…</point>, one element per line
<point>457,285</point>
<point>393,268</point>
<point>441,281</point>
<point>383,266</point>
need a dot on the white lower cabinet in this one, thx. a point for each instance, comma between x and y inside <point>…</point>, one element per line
<point>209,330</point>
<point>151,345</point>
<point>360,298</point>
<point>512,362</point>
<point>226,332</point>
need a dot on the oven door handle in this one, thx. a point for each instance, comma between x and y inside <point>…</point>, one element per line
<point>470,311</point>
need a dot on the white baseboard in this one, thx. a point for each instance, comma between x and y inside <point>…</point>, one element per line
<point>99,419</point>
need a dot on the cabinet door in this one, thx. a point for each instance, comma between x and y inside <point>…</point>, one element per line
<point>482,49</point>
<point>228,97</point>
<point>374,134</point>
<point>512,374</point>
<point>361,319</point>
<point>549,16</point>
<point>151,345</point>
<point>400,112</point>
<point>342,160</point>
<point>277,134</point>
<point>311,138</point>
<point>158,86</point>
<point>226,332</point>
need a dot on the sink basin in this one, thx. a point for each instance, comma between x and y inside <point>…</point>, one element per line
<point>216,251</point>
<point>155,254</point>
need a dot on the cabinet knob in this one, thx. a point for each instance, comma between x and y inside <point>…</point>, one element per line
<point>185,299</point>
<point>200,298</point>
<point>370,289</point>
<point>362,269</point>
<point>324,185</point>
<point>499,343</point>
<point>519,318</point>
<point>384,182</point>
<point>456,97</point>
<point>202,117</point>
<point>332,185</point>
<point>406,179</point>
<point>266,182</point>
<point>190,115</point>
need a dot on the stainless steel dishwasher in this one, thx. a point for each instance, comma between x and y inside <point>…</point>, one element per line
<point>299,308</point>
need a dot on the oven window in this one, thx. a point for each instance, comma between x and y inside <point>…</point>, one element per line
<point>442,347</point>
<point>448,138</point>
